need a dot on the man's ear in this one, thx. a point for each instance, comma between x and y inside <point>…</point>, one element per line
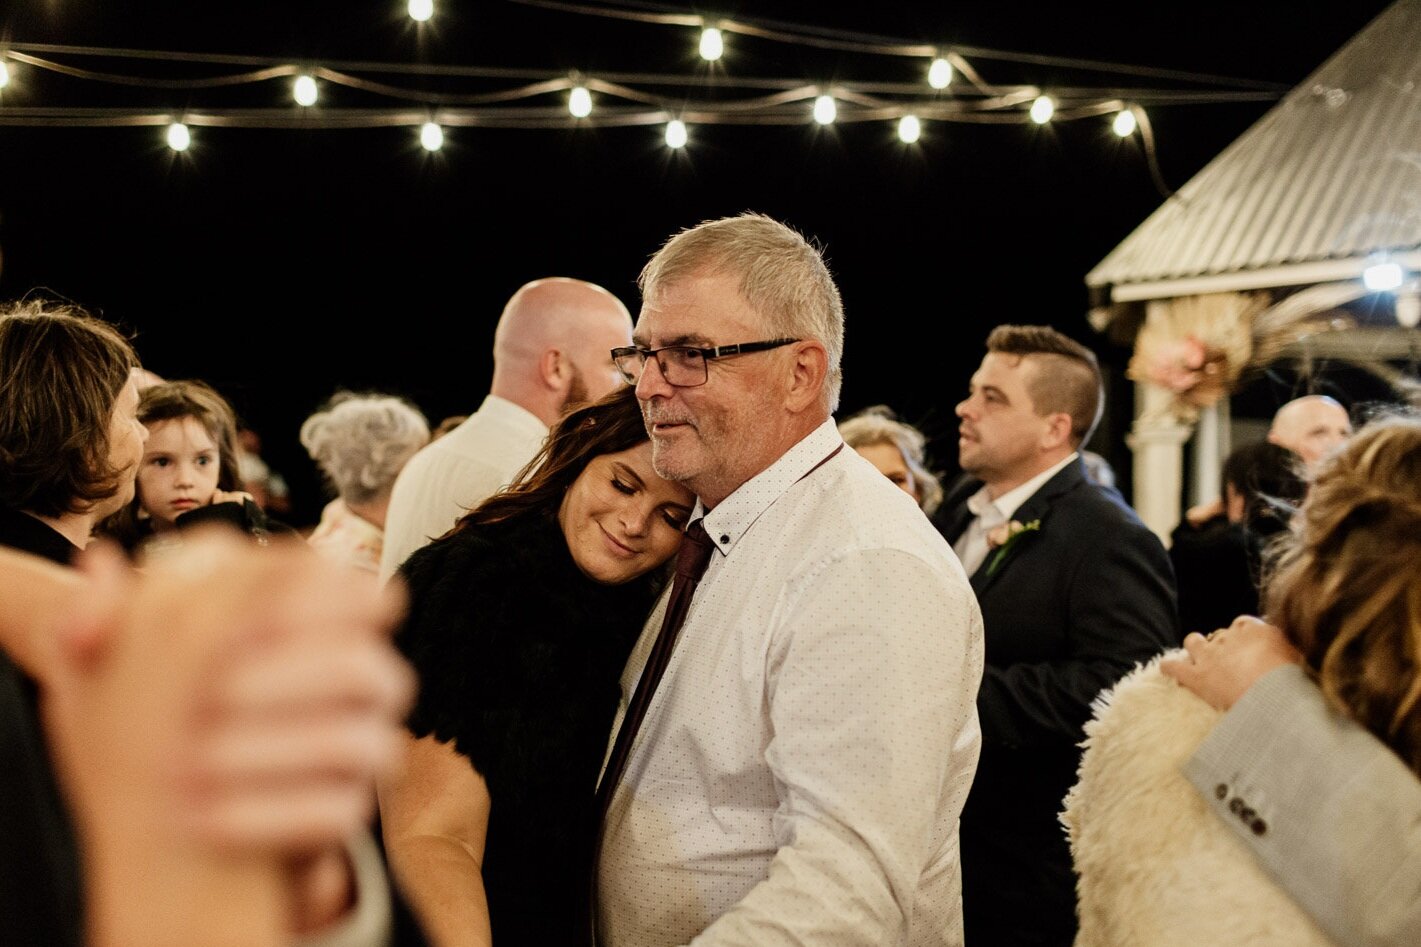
<point>555,371</point>
<point>808,373</point>
<point>1058,430</point>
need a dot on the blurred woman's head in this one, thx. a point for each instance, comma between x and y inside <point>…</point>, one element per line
<point>898,450</point>
<point>69,441</point>
<point>1347,590</point>
<point>594,475</point>
<point>361,442</point>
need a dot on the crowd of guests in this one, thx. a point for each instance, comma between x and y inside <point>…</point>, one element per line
<point>650,650</point>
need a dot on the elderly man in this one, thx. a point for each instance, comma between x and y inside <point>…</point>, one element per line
<point>1073,589</point>
<point>797,775</point>
<point>1311,427</point>
<point>549,352</point>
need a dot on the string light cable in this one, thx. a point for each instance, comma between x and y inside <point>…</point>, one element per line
<point>544,99</point>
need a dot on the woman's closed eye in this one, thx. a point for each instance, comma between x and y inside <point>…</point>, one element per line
<point>623,487</point>
<point>676,516</point>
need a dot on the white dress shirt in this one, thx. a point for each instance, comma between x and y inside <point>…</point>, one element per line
<point>987,514</point>
<point>801,768</point>
<point>456,473</point>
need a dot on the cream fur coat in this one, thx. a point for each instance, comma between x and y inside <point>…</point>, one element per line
<point>1157,867</point>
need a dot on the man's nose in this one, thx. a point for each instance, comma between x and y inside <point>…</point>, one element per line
<point>652,383</point>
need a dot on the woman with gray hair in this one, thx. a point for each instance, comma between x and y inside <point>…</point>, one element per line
<point>360,443</point>
<point>898,450</point>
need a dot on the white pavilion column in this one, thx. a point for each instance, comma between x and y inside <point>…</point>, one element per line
<point>1156,440</point>
<point>1211,446</point>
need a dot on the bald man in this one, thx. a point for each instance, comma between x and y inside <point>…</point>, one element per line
<point>551,350</point>
<point>1311,427</point>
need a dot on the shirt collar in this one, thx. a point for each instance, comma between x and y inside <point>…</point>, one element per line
<point>733,516</point>
<point>1008,503</point>
<point>515,413</point>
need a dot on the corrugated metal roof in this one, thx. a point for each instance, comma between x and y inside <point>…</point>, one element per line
<point>1333,171</point>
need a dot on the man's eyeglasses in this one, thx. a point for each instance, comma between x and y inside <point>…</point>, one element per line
<point>684,366</point>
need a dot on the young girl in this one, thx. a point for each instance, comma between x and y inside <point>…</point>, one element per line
<point>189,470</point>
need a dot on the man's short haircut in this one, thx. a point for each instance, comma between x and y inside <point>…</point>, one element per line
<point>1067,376</point>
<point>61,371</point>
<point>782,276</point>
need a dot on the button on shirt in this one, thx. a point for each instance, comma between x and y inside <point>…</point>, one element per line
<point>972,546</point>
<point>456,473</point>
<point>801,768</point>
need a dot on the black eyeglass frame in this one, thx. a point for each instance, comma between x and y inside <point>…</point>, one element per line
<point>708,354</point>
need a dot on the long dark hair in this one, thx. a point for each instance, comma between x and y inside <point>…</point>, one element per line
<point>604,427</point>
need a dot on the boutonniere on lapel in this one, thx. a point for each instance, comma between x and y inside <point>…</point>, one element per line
<point>1004,539</point>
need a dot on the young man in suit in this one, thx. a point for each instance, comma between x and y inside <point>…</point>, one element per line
<point>1073,589</point>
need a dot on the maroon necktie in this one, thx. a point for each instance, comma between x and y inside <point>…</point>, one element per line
<point>691,564</point>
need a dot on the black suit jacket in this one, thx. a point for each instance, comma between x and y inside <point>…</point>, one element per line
<point>1069,610</point>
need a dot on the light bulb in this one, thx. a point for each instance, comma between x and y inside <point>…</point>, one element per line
<point>1042,109</point>
<point>421,10</point>
<point>676,133</point>
<point>431,136</point>
<point>179,137</point>
<point>1124,124</point>
<point>825,111</point>
<point>712,44</point>
<point>304,90</point>
<point>1383,277</point>
<point>909,129</point>
<point>940,74</point>
<point>579,102</point>
<point>4,74</point>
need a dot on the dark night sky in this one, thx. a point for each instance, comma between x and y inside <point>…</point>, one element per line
<point>281,265</point>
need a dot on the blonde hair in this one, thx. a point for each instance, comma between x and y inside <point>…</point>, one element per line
<point>879,425</point>
<point>1344,592</point>
<point>782,276</point>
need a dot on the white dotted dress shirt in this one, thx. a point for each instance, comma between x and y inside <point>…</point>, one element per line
<point>801,768</point>
<point>456,473</point>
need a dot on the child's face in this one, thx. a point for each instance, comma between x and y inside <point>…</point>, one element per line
<point>179,472</point>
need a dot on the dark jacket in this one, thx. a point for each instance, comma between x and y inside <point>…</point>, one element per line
<point>1071,607</point>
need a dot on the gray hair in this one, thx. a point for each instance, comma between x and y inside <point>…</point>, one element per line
<point>782,276</point>
<point>879,425</point>
<point>360,442</point>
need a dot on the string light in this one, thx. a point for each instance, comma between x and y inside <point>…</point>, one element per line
<point>676,136</point>
<point>304,90</point>
<point>421,10</point>
<point>825,111</point>
<point>712,44</point>
<point>431,136</point>
<point>579,102</point>
<point>909,129</point>
<point>4,74</point>
<point>1125,123</point>
<point>1042,109</point>
<point>1383,277</point>
<point>940,73</point>
<point>179,137</point>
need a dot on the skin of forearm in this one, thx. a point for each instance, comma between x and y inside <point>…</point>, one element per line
<point>445,886</point>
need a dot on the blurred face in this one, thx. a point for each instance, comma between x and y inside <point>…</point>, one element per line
<point>126,437</point>
<point>1000,437</point>
<point>180,470</point>
<point>1312,428</point>
<point>889,461</point>
<point>620,519</point>
<point>716,436</point>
